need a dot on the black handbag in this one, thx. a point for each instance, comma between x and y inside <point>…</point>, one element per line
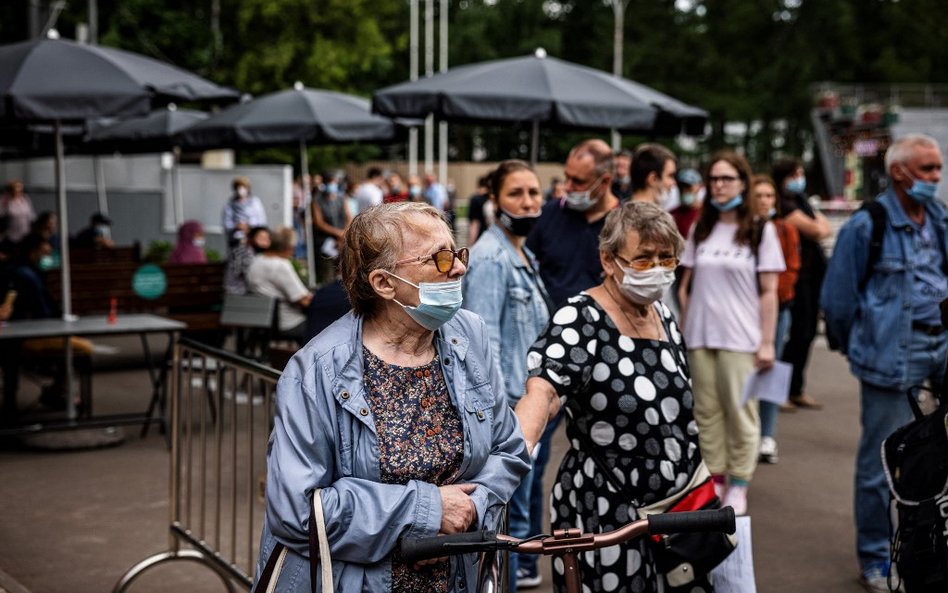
<point>680,557</point>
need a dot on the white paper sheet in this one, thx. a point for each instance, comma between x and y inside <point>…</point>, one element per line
<point>736,573</point>
<point>772,385</point>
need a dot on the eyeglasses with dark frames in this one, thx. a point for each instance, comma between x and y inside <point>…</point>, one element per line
<point>726,179</point>
<point>443,258</point>
<point>643,264</point>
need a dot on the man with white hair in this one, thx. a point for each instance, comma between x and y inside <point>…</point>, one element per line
<point>881,303</point>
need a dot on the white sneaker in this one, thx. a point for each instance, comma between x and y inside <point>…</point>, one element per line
<point>736,498</point>
<point>768,450</point>
<point>527,580</point>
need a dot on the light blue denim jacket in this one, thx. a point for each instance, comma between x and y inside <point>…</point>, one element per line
<point>509,294</point>
<point>875,326</point>
<point>324,437</point>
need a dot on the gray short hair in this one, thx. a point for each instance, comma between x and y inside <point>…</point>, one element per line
<point>373,241</point>
<point>650,221</point>
<point>901,150</point>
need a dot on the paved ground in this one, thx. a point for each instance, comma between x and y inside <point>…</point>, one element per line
<point>76,521</point>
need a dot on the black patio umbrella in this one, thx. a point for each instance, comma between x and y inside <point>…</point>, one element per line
<point>291,116</point>
<point>539,89</point>
<point>155,132</point>
<point>60,80</point>
<point>298,116</point>
<point>57,82</point>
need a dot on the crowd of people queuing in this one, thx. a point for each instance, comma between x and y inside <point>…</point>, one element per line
<point>632,299</point>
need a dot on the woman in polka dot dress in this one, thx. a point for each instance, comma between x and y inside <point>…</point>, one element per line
<point>614,358</point>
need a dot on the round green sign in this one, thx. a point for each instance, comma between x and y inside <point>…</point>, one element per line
<point>149,282</point>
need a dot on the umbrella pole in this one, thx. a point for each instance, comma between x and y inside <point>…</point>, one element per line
<point>177,202</point>
<point>307,217</point>
<point>534,143</point>
<point>63,223</point>
<point>99,171</point>
<point>64,265</point>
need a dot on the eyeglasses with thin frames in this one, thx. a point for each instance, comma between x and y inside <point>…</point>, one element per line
<point>643,264</point>
<point>443,258</point>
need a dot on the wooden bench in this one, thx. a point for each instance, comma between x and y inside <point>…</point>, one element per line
<point>194,294</point>
<point>127,254</point>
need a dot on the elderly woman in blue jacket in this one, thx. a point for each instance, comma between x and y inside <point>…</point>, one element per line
<point>395,416</point>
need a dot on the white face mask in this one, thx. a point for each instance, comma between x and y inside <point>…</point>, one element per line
<point>198,242</point>
<point>243,192</point>
<point>582,200</point>
<point>644,288</point>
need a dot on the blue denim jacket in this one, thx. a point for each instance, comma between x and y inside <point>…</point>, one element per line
<point>509,294</point>
<point>875,326</point>
<point>324,437</point>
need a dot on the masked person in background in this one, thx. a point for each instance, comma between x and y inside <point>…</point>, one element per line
<point>242,212</point>
<point>622,182</point>
<point>614,358</point>
<point>503,286</point>
<point>812,227</point>
<point>653,174</point>
<point>565,242</point>
<point>396,413</point>
<point>888,321</point>
<point>98,235</point>
<point>728,299</point>
<point>189,248</point>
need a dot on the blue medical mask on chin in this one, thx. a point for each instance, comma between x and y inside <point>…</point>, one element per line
<point>437,302</point>
<point>730,204</point>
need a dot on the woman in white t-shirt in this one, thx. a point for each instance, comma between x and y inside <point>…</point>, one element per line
<point>728,297</point>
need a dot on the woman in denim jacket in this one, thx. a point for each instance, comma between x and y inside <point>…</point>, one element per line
<point>397,413</point>
<point>504,287</point>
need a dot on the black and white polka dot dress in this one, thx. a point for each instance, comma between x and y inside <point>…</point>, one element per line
<point>630,399</point>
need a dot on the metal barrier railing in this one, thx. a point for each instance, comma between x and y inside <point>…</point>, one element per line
<point>221,413</point>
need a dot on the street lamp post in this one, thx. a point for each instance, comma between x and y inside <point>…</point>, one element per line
<point>618,9</point>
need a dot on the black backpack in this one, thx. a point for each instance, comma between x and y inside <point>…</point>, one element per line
<point>915,461</point>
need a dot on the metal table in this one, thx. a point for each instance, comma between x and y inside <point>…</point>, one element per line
<point>91,326</point>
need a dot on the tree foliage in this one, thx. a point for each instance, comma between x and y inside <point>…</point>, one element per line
<point>745,61</point>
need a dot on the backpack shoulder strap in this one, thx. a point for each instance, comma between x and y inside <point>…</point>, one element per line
<point>879,218</point>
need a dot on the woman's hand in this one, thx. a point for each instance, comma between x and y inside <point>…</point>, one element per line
<point>457,508</point>
<point>457,513</point>
<point>764,357</point>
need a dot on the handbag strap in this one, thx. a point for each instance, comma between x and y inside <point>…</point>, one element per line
<point>319,546</point>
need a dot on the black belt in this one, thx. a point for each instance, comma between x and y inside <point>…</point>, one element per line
<point>930,330</point>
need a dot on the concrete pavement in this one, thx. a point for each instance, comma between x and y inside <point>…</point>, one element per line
<point>76,521</point>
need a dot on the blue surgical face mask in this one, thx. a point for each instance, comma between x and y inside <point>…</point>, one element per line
<point>437,302</point>
<point>729,205</point>
<point>797,185</point>
<point>923,192</point>
<point>332,188</point>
